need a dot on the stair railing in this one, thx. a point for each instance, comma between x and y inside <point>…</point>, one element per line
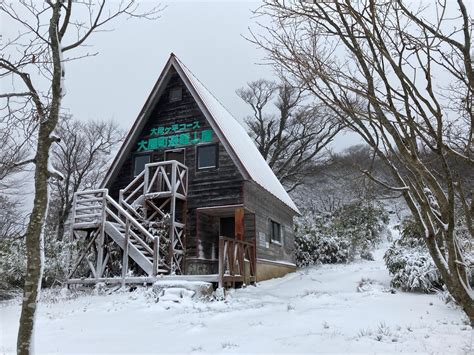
<point>155,179</point>
<point>87,208</point>
<point>95,207</point>
<point>130,224</point>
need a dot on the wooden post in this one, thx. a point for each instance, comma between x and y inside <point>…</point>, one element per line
<point>239,236</point>
<point>100,246</point>
<point>172,216</point>
<point>239,223</point>
<point>221,262</point>
<point>146,179</point>
<point>71,234</point>
<point>125,252</point>
<point>120,202</point>
<point>156,251</point>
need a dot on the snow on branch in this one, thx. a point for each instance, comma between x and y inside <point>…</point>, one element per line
<point>393,188</point>
<point>53,173</point>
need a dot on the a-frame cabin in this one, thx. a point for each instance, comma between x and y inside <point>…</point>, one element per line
<point>188,196</point>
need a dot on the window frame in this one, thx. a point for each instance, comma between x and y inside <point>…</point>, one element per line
<point>135,156</point>
<point>216,166</point>
<point>175,89</point>
<point>280,234</point>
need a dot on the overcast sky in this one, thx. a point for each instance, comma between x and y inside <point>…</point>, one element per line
<point>206,36</point>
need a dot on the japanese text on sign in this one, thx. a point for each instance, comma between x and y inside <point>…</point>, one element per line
<point>175,135</point>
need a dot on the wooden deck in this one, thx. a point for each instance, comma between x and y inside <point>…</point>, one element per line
<point>237,266</point>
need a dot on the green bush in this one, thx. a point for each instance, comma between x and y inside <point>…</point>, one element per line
<point>363,224</point>
<point>352,231</point>
<point>13,262</point>
<point>315,245</point>
<point>409,261</point>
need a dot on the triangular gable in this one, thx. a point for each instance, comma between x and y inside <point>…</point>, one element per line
<point>233,136</point>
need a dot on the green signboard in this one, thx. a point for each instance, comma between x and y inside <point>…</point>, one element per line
<point>175,135</point>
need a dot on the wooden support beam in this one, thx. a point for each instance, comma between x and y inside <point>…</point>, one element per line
<point>239,223</point>
<point>101,241</point>
<point>221,263</point>
<point>83,255</point>
<point>125,251</point>
<point>172,236</point>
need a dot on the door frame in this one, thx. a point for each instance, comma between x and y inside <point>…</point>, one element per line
<point>174,151</point>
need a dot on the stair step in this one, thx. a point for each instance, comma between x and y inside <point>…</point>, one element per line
<point>138,255</point>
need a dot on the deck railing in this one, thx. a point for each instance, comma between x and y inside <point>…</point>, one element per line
<point>159,179</point>
<point>237,261</point>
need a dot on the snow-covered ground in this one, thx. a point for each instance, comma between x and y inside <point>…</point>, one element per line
<point>314,310</point>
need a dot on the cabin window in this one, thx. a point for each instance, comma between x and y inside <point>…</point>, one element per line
<point>276,232</point>
<point>176,94</point>
<point>139,163</point>
<point>207,156</point>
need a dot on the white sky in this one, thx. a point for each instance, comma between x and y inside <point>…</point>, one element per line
<point>206,36</point>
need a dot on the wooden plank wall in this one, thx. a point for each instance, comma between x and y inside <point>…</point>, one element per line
<point>213,187</point>
<point>266,207</point>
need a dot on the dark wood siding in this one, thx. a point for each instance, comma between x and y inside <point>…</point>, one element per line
<point>210,187</point>
<point>266,208</point>
<point>220,186</point>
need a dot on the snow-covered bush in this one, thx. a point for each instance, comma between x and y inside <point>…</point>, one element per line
<point>317,244</point>
<point>362,224</point>
<point>412,270</point>
<point>314,248</point>
<point>352,231</point>
<point>466,243</point>
<point>12,265</point>
<point>57,257</point>
<point>410,264</point>
<point>13,262</point>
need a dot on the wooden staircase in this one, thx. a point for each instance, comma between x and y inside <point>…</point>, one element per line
<point>147,201</point>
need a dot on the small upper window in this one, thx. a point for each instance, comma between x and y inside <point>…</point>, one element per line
<point>176,94</point>
<point>139,163</point>
<point>207,156</point>
<point>276,232</point>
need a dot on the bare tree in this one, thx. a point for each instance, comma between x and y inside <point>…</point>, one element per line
<point>403,78</point>
<point>13,158</point>
<point>292,138</point>
<point>32,64</point>
<point>341,181</point>
<point>11,222</point>
<point>82,156</point>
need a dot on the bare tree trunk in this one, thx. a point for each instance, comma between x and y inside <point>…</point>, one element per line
<point>38,50</point>
<point>34,249</point>
<point>62,223</point>
<point>34,234</point>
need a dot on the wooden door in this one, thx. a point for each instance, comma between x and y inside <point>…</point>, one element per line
<point>177,154</point>
<point>227,227</point>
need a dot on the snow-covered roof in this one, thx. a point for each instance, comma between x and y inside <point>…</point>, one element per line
<point>239,140</point>
<point>243,148</point>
